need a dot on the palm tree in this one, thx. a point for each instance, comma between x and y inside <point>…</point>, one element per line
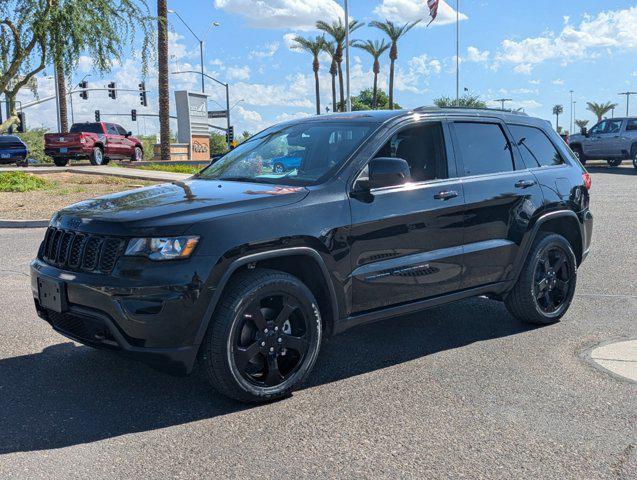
<point>315,47</point>
<point>557,111</point>
<point>375,49</point>
<point>581,124</point>
<point>164,95</point>
<point>330,49</point>
<point>600,109</point>
<point>395,32</point>
<point>336,30</point>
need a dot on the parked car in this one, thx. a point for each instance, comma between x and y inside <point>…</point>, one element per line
<point>100,142</point>
<point>12,150</point>
<point>388,213</point>
<point>612,139</point>
<point>285,163</point>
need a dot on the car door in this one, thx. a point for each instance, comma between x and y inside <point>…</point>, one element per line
<point>113,148</point>
<point>406,241</point>
<point>500,196</point>
<point>592,143</point>
<point>611,143</point>
<point>127,145</point>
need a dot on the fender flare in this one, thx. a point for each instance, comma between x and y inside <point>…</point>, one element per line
<point>528,242</point>
<point>251,258</point>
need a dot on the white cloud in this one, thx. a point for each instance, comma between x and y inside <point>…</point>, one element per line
<point>285,14</point>
<point>607,30</point>
<point>535,82</point>
<point>475,55</point>
<point>265,51</point>
<point>423,65</point>
<point>284,117</point>
<point>558,81</point>
<point>412,10</point>
<point>634,74</point>
<point>238,73</point>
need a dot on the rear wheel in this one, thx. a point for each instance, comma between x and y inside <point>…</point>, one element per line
<point>614,162</point>
<point>633,155</point>
<point>546,285</point>
<point>264,337</point>
<point>579,153</point>
<point>60,161</point>
<point>97,156</point>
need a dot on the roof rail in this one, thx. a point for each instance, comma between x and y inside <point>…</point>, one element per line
<point>469,109</point>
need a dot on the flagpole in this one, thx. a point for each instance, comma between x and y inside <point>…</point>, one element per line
<point>348,107</point>
<point>458,53</point>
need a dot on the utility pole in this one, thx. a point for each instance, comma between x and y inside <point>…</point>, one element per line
<point>502,100</point>
<point>628,94</point>
<point>572,112</point>
<point>349,98</point>
<point>458,54</point>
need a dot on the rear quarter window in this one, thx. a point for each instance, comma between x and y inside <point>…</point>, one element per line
<point>536,148</point>
<point>86,128</point>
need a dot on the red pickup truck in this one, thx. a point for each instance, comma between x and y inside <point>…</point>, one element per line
<point>100,142</point>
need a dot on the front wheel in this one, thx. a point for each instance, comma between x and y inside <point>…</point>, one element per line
<point>546,285</point>
<point>60,161</point>
<point>264,337</point>
<point>614,162</point>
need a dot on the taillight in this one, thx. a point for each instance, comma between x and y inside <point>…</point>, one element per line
<point>587,180</point>
<point>82,139</point>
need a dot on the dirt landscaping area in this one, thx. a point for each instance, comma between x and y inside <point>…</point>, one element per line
<point>59,190</point>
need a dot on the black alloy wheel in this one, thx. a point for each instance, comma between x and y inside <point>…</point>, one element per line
<point>552,280</point>
<point>264,337</point>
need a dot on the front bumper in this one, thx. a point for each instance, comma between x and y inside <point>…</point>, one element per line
<point>155,324</point>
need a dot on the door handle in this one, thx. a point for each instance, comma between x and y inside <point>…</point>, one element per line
<point>446,195</point>
<point>524,183</point>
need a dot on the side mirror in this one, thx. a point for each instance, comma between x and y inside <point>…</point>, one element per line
<point>388,172</point>
<point>128,134</point>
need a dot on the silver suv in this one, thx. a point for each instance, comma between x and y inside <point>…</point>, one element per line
<point>612,139</point>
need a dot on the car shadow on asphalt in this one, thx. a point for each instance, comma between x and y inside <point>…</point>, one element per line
<point>611,170</point>
<point>68,395</point>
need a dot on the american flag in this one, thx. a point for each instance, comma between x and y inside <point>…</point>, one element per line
<point>433,9</point>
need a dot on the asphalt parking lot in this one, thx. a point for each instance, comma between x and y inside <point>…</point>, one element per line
<point>461,391</point>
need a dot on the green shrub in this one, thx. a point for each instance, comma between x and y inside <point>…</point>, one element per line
<point>34,138</point>
<point>174,168</point>
<point>22,182</point>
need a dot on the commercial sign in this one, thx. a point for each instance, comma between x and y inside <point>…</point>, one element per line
<point>217,114</point>
<point>192,123</point>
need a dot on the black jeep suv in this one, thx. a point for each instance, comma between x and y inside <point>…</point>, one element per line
<point>385,213</point>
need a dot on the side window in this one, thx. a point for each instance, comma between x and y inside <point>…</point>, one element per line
<point>423,148</point>
<point>111,130</point>
<point>535,147</point>
<point>483,148</point>
<point>120,130</point>
<point>599,128</point>
<point>614,126</point>
<point>631,126</point>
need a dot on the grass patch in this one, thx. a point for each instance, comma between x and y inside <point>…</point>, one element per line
<point>22,182</point>
<point>173,168</point>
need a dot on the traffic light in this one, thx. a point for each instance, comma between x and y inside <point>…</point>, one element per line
<point>112,93</point>
<point>21,125</point>
<point>230,134</point>
<point>97,115</point>
<point>133,115</point>
<point>142,94</point>
<point>84,94</point>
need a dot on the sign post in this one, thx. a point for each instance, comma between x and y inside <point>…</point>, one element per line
<point>192,123</point>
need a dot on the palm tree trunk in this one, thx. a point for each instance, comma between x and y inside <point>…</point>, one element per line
<point>342,88</point>
<point>164,94</point>
<point>61,91</point>
<point>334,92</point>
<point>557,122</point>
<point>318,94</point>
<point>391,84</point>
<point>375,96</point>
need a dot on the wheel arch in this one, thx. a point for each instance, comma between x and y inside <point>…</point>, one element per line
<point>316,278</point>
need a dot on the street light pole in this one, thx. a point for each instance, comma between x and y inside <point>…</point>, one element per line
<point>628,94</point>
<point>502,100</point>
<point>572,110</point>
<point>203,87</point>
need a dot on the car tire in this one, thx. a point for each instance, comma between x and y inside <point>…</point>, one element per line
<point>264,337</point>
<point>614,162</point>
<point>97,156</point>
<point>138,155</point>
<point>546,285</point>
<point>579,153</point>
<point>633,155</point>
<point>278,168</point>
<point>60,161</point>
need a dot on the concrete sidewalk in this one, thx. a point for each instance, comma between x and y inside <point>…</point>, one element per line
<point>619,358</point>
<point>123,172</point>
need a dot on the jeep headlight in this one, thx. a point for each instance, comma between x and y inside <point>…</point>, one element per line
<point>163,248</point>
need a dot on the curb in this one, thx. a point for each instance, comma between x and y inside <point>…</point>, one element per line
<point>23,223</point>
<point>587,357</point>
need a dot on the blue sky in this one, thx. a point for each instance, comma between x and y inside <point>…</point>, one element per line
<point>532,52</point>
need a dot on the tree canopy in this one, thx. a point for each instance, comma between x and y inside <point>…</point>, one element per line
<point>467,101</point>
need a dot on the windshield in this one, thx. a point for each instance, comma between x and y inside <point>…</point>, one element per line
<point>300,154</point>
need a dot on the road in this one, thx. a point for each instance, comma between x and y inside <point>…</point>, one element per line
<point>461,391</point>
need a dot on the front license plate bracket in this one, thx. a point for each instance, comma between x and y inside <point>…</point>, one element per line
<point>52,294</point>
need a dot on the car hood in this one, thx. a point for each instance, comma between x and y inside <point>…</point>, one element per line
<point>171,208</point>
